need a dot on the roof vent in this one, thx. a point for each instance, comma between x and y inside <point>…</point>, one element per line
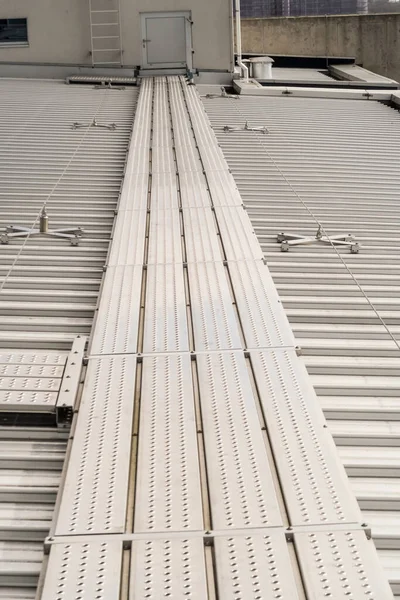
<point>261,67</point>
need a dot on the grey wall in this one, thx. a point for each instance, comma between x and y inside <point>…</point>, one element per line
<point>59,30</point>
<point>374,40</point>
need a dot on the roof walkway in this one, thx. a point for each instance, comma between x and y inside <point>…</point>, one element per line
<point>200,464</point>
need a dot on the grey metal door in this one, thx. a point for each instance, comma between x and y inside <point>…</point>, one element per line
<point>166,40</point>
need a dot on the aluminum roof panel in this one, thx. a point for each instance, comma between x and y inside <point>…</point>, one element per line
<point>50,287</point>
<point>327,160</point>
<point>73,170</point>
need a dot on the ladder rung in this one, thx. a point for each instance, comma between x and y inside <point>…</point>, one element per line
<point>102,24</point>
<point>105,37</point>
<point>106,50</point>
<point>104,11</point>
<point>102,62</point>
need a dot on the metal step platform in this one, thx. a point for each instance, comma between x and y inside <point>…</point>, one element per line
<point>35,383</point>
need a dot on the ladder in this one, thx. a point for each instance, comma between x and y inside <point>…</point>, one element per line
<point>105,33</point>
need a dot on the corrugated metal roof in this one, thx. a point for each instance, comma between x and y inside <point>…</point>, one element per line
<point>49,288</point>
<point>335,162</point>
<point>31,461</point>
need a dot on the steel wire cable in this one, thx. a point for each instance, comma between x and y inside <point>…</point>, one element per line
<point>43,206</point>
<point>260,139</point>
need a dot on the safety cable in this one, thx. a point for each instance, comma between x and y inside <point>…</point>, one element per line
<point>86,131</point>
<point>261,139</point>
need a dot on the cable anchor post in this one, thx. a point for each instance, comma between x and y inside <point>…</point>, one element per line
<point>73,234</point>
<point>286,240</point>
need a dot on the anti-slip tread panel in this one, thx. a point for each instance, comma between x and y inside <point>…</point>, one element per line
<point>214,321</point>
<point>168,495</point>
<point>135,189</point>
<point>116,327</point>
<point>31,370</point>
<point>95,493</point>
<point>194,190</point>
<point>30,382</point>
<point>128,239</point>
<point>239,240</point>
<point>77,571</point>
<point>32,358</point>
<point>254,567</point>
<point>164,191</point>
<point>168,568</point>
<point>241,484</point>
<point>340,564</point>
<point>313,481</point>
<point>165,325</point>
<point>21,384</point>
<point>261,313</point>
<point>201,235</point>
<point>165,240</point>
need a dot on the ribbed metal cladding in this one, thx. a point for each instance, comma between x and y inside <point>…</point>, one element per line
<point>335,162</point>
<point>31,460</point>
<point>50,287</point>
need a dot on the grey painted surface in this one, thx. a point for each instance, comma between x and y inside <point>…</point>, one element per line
<point>374,40</point>
<point>59,32</point>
